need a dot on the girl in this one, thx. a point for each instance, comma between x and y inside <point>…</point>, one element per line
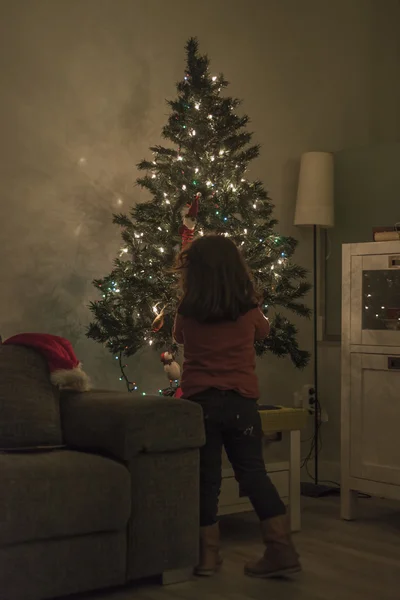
<point>218,321</point>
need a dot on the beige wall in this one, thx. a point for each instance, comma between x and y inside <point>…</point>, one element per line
<point>87,79</point>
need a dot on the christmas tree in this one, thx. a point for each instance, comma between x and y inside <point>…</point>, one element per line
<point>198,185</point>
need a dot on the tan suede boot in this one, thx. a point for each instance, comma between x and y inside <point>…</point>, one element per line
<point>210,559</point>
<point>280,557</point>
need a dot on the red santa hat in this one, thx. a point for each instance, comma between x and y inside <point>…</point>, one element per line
<point>65,369</point>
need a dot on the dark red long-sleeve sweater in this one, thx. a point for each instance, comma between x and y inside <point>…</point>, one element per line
<point>221,355</point>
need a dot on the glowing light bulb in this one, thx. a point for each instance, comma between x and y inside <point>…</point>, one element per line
<point>208,183</point>
<point>254,205</point>
<point>210,116</point>
<point>197,105</point>
<point>245,231</point>
<point>184,187</point>
<point>153,176</point>
<point>201,232</point>
<point>196,170</point>
<point>221,152</point>
<point>214,78</point>
<point>161,250</point>
<point>382,307</point>
<point>180,157</point>
<point>167,202</point>
<point>212,158</point>
<point>193,132</point>
<point>159,228</point>
<point>242,180</point>
<point>155,311</point>
<point>124,250</point>
<point>272,267</point>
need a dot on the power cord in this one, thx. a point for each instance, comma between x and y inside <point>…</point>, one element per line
<point>311,454</point>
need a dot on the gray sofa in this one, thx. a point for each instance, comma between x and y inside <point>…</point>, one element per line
<point>96,489</point>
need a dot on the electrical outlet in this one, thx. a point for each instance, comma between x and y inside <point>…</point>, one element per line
<point>311,397</point>
<point>308,396</point>
<point>309,401</point>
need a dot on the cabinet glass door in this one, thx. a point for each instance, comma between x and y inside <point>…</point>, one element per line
<point>381,300</point>
<point>375,300</point>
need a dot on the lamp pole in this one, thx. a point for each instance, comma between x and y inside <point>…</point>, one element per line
<point>316,402</point>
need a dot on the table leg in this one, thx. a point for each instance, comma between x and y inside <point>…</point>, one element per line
<point>294,480</point>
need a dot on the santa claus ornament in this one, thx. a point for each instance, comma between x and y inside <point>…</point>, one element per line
<point>189,220</point>
<point>65,369</point>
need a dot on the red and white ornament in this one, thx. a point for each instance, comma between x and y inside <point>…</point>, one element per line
<point>189,220</point>
<point>171,367</point>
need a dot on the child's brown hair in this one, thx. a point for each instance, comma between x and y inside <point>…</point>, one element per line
<point>216,284</point>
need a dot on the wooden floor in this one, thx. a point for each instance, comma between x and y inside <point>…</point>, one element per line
<point>341,561</point>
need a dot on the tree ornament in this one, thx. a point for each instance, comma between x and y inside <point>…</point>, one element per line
<point>158,322</point>
<point>171,367</point>
<point>189,220</point>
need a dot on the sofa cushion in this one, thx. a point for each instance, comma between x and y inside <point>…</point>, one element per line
<point>60,494</point>
<point>29,404</point>
<point>124,425</point>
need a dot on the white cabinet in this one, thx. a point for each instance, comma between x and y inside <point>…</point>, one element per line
<point>370,372</point>
<point>375,418</point>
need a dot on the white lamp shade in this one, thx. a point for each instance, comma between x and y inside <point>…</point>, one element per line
<point>314,204</point>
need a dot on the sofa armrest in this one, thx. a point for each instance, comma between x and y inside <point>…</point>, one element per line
<point>124,425</point>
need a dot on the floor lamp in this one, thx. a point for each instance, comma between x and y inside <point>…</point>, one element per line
<point>314,208</point>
